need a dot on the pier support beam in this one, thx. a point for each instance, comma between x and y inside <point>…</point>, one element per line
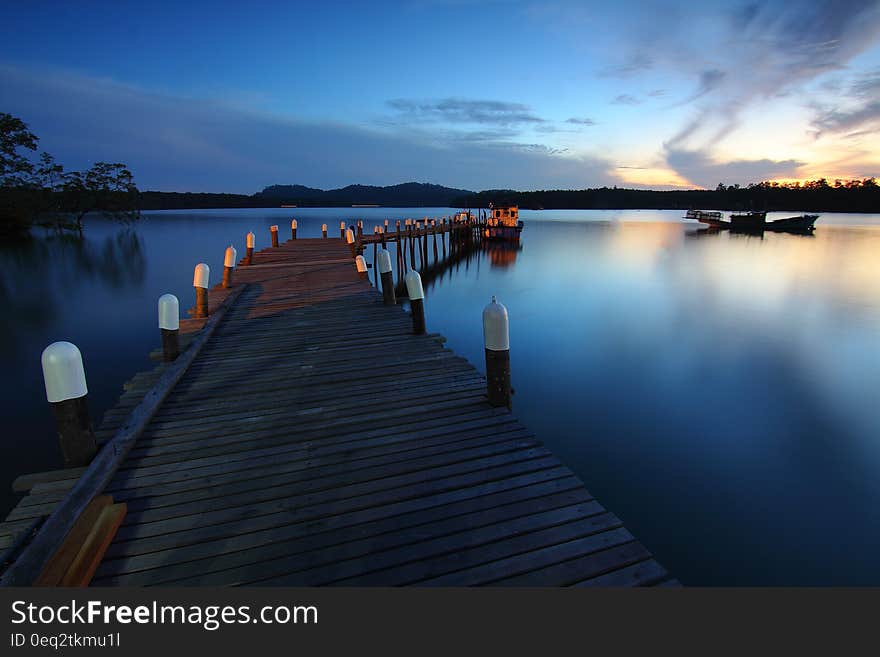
<point>274,231</point>
<point>293,226</point>
<point>497,345</point>
<point>67,394</point>
<point>349,239</point>
<point>169,326</point>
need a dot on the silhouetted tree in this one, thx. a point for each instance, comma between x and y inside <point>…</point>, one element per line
<point>106,187</point>
<point>29,191</point>
<point>15,168</point>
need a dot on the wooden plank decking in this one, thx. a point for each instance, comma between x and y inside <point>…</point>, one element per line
<point>314,440</point>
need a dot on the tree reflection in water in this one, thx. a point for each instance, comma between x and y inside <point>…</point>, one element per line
<point>39,271</point>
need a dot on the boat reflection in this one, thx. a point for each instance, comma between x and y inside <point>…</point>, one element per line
<point>713,230</point>
<point>502,254</point>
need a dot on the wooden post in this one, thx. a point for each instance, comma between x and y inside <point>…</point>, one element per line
<point>324,231</point>
<point>497,344</point>
<point>412,246</point>
<point>399,253</point>
<point>434,233</point>
<point>349,239</point>
<point>200,282</point>
<point>443,230</point>
<point>250,240</point>
<point>228,265</point>
<point>360,229</point>
<point>169,326</point>
<point>383,264</point>
<point>416,301</point>
<point>274,231</point>
<point>361,263</point>
<point>375,251</point>
<point>293,229</point>
<point>425,247</point>
<point>67,394</point>
<point>342,230</point>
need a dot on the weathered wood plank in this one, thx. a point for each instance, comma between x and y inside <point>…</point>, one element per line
<point>24,483</point>
<point>60,562</point>
<point>454,484</point>
<point>93,549</point>
<point>644,573</point>
<point>216,556</point>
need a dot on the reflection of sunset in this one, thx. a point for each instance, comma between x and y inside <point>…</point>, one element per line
<point>643,243</point>
<point>839,263</point>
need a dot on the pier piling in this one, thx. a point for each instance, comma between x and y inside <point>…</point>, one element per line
<point>416,301</point>
<point>200,283</point>
<point>249,254</point>
<point>169,326</point>
<point>497,346</point>
<point>67,394</point>
<point>361,264</point>
<point>349,239</point>
<point>274,231</point>
<point>384,266</point>
<point>293,226</point>
<point>229,260</point>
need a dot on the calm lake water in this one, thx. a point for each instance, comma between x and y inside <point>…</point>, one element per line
<point>717,391</point>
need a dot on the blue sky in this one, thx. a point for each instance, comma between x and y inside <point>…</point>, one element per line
<point>476,94</point>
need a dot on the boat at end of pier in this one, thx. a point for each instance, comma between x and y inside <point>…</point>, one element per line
<point>503,224</point>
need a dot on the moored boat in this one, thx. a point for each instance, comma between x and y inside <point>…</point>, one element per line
<point>748,222</point>
<point>710,217</point>
<point>503,224</point>
<point>800,224</point>
<point>754,222</point>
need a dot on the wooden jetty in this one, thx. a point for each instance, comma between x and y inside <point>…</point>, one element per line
<point>306,436</point>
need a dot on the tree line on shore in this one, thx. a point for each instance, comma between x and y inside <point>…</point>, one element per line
<point>862,195</point>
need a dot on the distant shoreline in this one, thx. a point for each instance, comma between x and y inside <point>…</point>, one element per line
<point>856,196</point>
<point>797,210</point>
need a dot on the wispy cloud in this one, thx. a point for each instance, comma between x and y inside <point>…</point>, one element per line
<point>461,110</point>
<point>857,112</point>
<point>635,63</point>
<point>626,99</point>
<point>585,121</point>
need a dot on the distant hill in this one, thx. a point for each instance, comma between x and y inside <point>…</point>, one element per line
<point>405,195</point>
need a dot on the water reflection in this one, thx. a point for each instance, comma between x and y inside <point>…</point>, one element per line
<point>503,254</point>
<point>716,390</point>
<point>38,272</point>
